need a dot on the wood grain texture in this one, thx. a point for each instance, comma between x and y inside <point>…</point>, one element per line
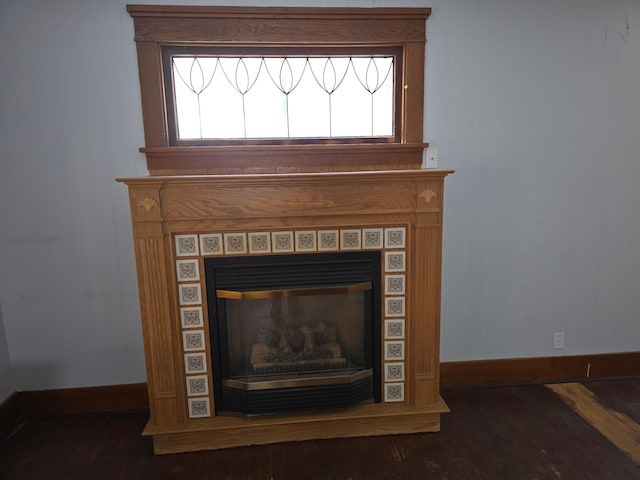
<point>223,203</point>
<point>621,430</point>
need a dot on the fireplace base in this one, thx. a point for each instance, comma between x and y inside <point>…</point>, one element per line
<point>235,431</point>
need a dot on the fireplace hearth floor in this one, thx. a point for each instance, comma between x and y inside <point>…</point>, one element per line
<point>226,431</point>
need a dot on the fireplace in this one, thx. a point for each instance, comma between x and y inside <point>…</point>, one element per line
<point>339,308</point>
<point>294,332</point>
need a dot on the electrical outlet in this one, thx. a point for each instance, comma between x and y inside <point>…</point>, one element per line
<point>431,158</point>
<point>558,340</point>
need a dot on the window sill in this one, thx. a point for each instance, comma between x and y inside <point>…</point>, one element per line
<point>198,160</point>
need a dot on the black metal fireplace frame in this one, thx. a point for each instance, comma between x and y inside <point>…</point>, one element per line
<point>291,271</point>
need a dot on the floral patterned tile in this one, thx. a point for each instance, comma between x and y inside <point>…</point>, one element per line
<point>197,385</point>
<point>211,244</point>
<point>394,329</point>
<point>193,340</point>
<point>394,261</point>
<point>350,239</point>
<point>282,242</point>
<point>188,270</point>
<point>191,317</point>
<point>190,293</point>
<point>186,245</point>
<point>306,241</point>
<point>235,243</point>
<point>199,407</point>
<point>394,284</point>
<point>394,372</point>
<point>394,306</point>
<point>395,237</point>
<point>372,238</point>
<point>259,242</point>
<point>328,240</point>
<point>394,350</point>
<point>394,392</point>
<point>195,363</point>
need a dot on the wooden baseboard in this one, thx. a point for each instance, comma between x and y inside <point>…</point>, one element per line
<point>70,401</point>
<point>538,369</point>
<point>120,398</point>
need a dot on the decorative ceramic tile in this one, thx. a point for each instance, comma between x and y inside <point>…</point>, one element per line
<point>190,293</point>
<point>282,242</point>
<point>394,350</point>
<point>394,261</point>
<point>211,244</point>
<point>259,242</point>
<point>193,340</point>
<point>186,245</point>
<point>199,407</point>
<point>394,372</point>
<point>372,238</point>
<point>395,237</point>
<point>394,392</point>
<point>394,306</point>
<point>235,243</point>
<point>197,385</point>
<point>191,317</point>
<point>350,239</point>
<point>306,241</point>
<point>328,240</point>
<point>195,362</point>
<point>394,284</point>
<point>394,328</point>
<point>188,270</point>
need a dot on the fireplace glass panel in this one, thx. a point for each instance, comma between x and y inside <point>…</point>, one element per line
<point>290,341</point>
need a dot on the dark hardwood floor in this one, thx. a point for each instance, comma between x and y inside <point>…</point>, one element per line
<point>521,432</point>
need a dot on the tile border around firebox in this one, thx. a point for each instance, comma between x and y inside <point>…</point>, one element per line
<point>391,241</point>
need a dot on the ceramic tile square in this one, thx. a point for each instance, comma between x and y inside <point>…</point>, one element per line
<point>372,238</point>
<point>394,328</point>
<point>191,317</point>
<point>350,239</point>
<point>395,237</point>
<point>394,372</point>
<point>186,245</point>
<point>199,407</point>
<point>394,306</point>
<point>195,363</point>
<point>188,270</point>
<point>211,244</point>
<point>394,392</point>
<point>259,242</point>
<point>306,241</point>
<point>394,284</point>
<point>235,243</point>
<point>197,385</point>
<point>190,293</point>
<point>193,340</point>
<point>328,240</point>
<point>394,261</point>
<point>394,350</point>
<point>282,242</point>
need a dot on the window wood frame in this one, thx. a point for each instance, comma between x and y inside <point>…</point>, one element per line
<point>159,26</point>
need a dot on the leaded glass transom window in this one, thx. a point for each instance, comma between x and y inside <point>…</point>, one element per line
<point>281,97</point>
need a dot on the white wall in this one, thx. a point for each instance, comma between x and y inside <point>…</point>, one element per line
<point>534,103</point>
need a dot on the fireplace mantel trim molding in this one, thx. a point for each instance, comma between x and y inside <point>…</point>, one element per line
<point>165,209</point>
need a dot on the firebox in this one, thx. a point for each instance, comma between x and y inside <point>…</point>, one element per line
<point>294,332</point>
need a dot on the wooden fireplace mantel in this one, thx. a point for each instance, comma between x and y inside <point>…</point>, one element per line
<point>165,209</point>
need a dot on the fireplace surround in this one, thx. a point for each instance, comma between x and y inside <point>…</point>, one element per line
<point>181,223</point>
